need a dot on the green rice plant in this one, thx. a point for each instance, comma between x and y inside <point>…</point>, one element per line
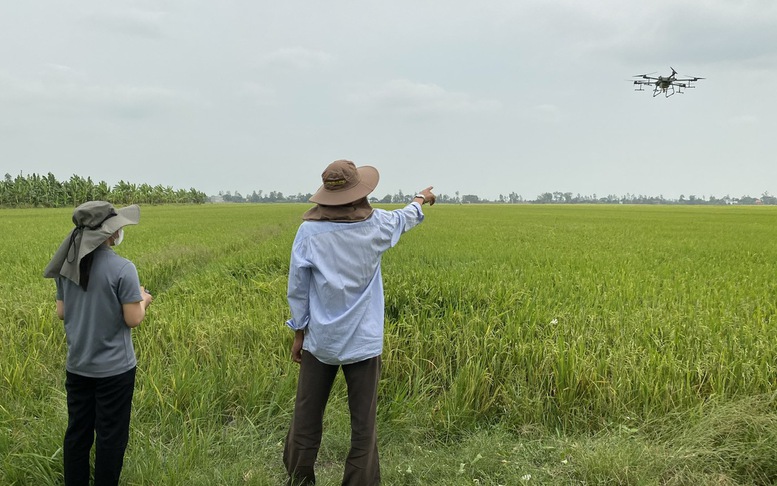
<point>605,314</point>
<point>636,343</point>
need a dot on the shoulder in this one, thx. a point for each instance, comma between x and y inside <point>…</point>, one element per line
<point>312,228</point>
<point>117,262</point>
<point>117,259</point>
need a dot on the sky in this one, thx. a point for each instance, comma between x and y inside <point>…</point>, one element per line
<point>484,98</point>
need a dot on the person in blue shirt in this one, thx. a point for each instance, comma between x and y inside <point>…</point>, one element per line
<point>100,299</point>
<point>335,295</point>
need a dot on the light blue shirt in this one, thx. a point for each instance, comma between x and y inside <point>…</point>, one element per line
<point>335,284</point>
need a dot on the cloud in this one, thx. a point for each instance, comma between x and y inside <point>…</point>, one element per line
<point>65,91</point>
<point>125,101</point>
<point>718,34</point>
<point>683,32</point>
<point>405,97</point>
<point>297,58</point>
<point>257,94</point>
<point>744,120</point>
<point>547,113</point>
<point>136,23</point>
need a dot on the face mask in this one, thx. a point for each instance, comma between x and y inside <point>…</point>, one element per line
<point>119,238</point>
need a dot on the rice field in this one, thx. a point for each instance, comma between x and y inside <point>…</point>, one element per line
<point>524,344</point>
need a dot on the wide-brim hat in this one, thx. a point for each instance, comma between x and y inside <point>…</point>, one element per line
<point>344,183</point>
<point>95,221</point>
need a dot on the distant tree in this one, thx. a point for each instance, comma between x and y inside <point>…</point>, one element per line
<point>102,191</point>
<point>197,197</point>
<point>545,198</point>
<point>766,198</point>
<point>5,188</point>
<point>399,197</point>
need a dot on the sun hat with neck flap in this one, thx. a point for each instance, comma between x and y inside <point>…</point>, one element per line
<point>343,194</point>
<point>95,222</point>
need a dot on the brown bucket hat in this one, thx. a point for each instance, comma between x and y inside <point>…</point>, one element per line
<point>95,221</point>
<point>343,195</point>
<point>345,183</point>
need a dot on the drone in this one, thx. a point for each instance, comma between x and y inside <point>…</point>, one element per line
<point>668,85</point>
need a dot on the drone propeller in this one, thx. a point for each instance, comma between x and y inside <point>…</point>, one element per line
<point>685,77</point>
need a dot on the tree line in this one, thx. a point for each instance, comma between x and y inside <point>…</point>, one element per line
<point>513,198</point>
<point>34,190</point>
<point>568,198</point>
<point>278,197</point>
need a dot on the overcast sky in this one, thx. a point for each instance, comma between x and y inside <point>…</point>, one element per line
<point>479,97</point>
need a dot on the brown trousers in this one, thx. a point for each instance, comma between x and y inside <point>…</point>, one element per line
<point>304,439</point>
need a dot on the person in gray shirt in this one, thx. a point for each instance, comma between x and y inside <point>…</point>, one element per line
<point>100,299</point>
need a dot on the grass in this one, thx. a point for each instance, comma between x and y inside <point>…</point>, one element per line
<point>524,345</point>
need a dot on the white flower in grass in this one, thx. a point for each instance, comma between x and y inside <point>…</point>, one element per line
<point>525,477</point>
<point>554,321</point>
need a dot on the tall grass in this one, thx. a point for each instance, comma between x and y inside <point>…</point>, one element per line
<point>623,340</point>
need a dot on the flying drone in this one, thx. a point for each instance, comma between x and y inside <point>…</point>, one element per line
<point>668,85</point>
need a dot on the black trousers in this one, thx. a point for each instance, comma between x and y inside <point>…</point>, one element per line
<point>362,467</point>
<point>100,405</point>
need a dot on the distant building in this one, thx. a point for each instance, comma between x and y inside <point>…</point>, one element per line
<point>216,199</point>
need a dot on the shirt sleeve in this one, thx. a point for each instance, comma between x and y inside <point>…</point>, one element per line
<point>60,293</point>
<point>128,290</point>
<point>405,219</point>
<point>300,273</point>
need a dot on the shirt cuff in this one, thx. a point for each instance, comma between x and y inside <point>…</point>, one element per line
<point>293,325</point>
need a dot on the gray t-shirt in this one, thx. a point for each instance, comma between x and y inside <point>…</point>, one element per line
<point>98,340</point>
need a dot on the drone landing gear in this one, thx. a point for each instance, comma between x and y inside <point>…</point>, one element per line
<point>667,91</point>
